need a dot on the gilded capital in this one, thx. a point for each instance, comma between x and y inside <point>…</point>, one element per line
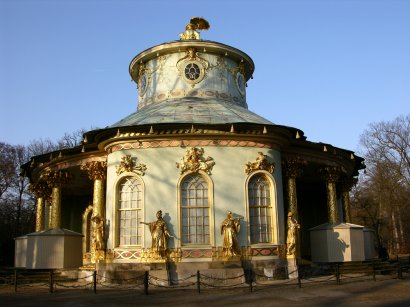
<point>346,183</point>
<point>40,190</point>
<point>56,178</point>
<point>294,167</point>
<point>330,174</point>
<point>96,169</point>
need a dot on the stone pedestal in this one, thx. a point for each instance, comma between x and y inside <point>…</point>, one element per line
<point>337,243</point>
<point>292,268</point>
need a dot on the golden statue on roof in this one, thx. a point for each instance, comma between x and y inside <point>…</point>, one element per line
<point>191,29</point>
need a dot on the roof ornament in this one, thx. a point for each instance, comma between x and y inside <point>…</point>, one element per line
<point>196,23</point>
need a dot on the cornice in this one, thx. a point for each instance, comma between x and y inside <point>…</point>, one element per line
<point>202,46</point>
<point>271,135</point>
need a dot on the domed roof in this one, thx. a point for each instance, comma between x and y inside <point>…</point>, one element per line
<point>192,110</point>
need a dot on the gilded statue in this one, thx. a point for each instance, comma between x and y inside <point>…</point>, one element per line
<point>229,229</point>
<point>196,23</point>
<point>293,227</point>
<point>98,234</point>
<point>159,235</point>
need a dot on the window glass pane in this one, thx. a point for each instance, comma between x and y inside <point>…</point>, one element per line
<point>195,210</point>
<point>129,211</point>
<point>260,209</point>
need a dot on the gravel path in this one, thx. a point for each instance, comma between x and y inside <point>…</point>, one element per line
<point>392,292</point>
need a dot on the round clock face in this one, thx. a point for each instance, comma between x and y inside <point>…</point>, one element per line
<point>240,83</point>
<point>143,84</point>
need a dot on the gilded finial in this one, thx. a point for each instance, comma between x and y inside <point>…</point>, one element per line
<point>191,29</point>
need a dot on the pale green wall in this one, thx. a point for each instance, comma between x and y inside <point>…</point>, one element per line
<point>165,76</point>
<point>162,176</point>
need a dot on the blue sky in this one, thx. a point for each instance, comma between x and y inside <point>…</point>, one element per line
<point>327,67</point>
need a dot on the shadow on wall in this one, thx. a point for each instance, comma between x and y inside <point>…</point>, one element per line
<point>339,247</point>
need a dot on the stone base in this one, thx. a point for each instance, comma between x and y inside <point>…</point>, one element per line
<point>292,268</point>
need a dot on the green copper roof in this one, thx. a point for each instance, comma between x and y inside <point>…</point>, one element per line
<point>191,110</point>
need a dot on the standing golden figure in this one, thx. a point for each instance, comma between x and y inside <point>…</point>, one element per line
<point>229,229</point>
<point>293,227</point>
<point>159,234</point>
<point>98,238</point>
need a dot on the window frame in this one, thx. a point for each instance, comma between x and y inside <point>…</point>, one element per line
<point>209,182</point>
<point>273,207</point>
<point>116,215</point>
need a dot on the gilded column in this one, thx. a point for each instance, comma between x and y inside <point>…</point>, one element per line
<point>292,169</point>
<point>346,184</point>
<point>55,180</point>
<point>42,193</point>
<point>97,172</point>
<point>331,175</point>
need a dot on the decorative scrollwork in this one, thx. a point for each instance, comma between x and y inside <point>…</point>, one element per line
<point>194,161</point>
<point>127,164</point>
<point>192,67</point>
<point>261,163</point>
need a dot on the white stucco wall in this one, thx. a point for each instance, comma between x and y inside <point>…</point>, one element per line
<point>161,181</point>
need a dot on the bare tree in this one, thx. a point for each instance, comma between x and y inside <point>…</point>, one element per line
<point>7,167</point>
<point>17,205</point>
<point>386,185</point>
<point>390,142</point>
<point>71,139</point>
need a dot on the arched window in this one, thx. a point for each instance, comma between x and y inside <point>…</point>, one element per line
<point>195,210</point>
<point>129,211</point>
<point>260,209</point>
